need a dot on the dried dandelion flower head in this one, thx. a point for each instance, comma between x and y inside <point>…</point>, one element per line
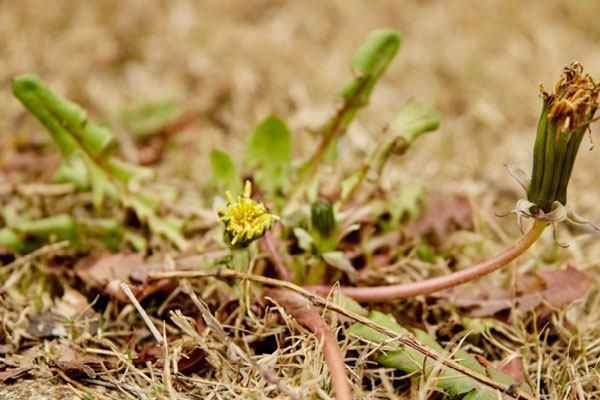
<point>245,219</point>
<point>566,116</point>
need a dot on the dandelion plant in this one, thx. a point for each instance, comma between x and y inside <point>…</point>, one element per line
<point>567,113</point>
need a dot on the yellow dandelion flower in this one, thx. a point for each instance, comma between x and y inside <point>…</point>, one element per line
<point>245,219</point>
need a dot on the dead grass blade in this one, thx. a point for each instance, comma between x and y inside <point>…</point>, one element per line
<point>407,340</point>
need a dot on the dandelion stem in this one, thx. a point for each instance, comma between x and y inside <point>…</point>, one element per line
<point>404,290</point>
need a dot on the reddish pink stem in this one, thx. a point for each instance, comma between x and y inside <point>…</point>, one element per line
<point>280,267</point>
<point>393,292</point>
<point>303,311</point>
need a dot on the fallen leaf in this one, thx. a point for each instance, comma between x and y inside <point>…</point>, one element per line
<point>46,325</point>
<point>76,362</point>
<point>442,216</point>
<point>192,361</point>
<point>553,290</point>
<point>71,304</point>
<point>514,369</point>
<point>13,373</point>
<point>100,270</point>
<point>105,272</point>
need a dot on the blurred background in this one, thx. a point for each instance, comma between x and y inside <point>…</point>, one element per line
<point>479,62</point>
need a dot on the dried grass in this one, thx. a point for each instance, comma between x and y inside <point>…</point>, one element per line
<point>478,62</point>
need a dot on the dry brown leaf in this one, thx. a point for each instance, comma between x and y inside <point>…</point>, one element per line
<point>71,304</point>
<point>76,363</point>
<point>551,289</point>
<point>46,325</point>
<point>514,369</point>
<point>105,272</point>
<point>100,270</point>
<point>13,373</point>
<point>442,216</point>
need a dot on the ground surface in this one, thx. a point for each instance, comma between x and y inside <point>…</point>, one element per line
<point>478,62</point>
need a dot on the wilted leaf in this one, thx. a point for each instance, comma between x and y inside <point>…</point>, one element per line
<point>224,173</point>
<point>553,289</point>
<point>514,368</point>
<point>46,325</point>
<point>76,363</point>
<point>442,216</point>
<point>71,304</point>
<point>100,270</point>
<point>193,360</point>
<point>13,373</point>
<point>269,151</point>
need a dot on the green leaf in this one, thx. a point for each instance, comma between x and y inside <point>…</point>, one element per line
<point>10,239</point>
<point>66,121</point>
<point>146,119</point>
<point>156,224</point>
<point>305,240</point>
<point>224,173</point>
<point>338,260</point>
<point>58,227</point>
<point>348,303</point>
<point>269,150</point>
<point>83,142</point>
<point>73,170</point>
<point>413,362</point>
<point>369,62</point>
<point>407,202</point>
<point>415,119</point>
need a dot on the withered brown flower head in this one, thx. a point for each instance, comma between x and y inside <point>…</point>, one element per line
<point>566,115</point>
<point>575,98</point>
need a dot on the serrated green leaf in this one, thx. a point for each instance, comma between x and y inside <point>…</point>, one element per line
<point>146,119</point>
<point>369,62</point>
<point>407,202</point>
<point>413,362</point>
<point>224,173</point>
<point>156,224</point>
<point>269,150</point>
<point>65,120</point>
<point>415,119</point>
<point>73,170</point>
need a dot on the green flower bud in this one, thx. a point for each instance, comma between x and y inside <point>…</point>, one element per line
<point>322,218</point>
<point>566,116</point>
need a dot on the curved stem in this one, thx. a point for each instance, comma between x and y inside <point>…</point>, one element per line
<point>304,312</point>
<point>404,290</point>
<point>278,263</point>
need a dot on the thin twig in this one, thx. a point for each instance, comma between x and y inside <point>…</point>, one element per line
<point>303,311</point>
<point>412,289</point>
<point>127,291</point>
<point>405,339</point>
